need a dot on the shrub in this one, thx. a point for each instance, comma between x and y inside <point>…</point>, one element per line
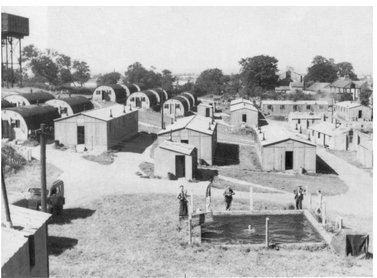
<point>11,160</point>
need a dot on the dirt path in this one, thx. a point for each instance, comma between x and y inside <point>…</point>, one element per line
<point>358,200</point>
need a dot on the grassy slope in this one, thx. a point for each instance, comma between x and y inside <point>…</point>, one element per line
<point>136,235</point>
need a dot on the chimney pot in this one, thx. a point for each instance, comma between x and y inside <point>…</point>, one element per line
<point>111,113</point>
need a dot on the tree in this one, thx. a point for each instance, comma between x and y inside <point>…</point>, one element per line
<point>46,68</point>
<point>81,72</point>
<point>322,70</point>
<point>345,69</point>
<point>210,81</point>
<point>259,73</point>
<point>233,85</point>
<point>365,93</point>
<point>137,74</point>
<point>110,78</point>
<point>167,80</point>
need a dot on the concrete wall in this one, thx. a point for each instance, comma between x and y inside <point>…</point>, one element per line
<point>273,156</point>
<point>251,117</point>
<point>19,264</point>
<point>205,144</point>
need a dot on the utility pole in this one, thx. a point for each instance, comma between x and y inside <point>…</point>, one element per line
<point>42,143</point>
<point>162,116</point>
<point>5,200</point>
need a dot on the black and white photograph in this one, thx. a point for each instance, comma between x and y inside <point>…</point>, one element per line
<point>194,140</point>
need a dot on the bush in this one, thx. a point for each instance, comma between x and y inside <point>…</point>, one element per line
<point>11,160</point>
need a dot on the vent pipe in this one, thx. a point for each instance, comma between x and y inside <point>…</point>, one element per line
<point>111,113</point>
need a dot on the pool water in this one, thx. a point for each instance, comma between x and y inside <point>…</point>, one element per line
<point>231,229</point>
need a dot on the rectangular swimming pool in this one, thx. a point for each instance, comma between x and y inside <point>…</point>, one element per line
<point>283,228</point>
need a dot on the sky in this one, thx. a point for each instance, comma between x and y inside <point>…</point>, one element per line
<point>193,39</point>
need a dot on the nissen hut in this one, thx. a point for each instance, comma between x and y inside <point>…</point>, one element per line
<point>98,129</point>
<point>71,105</point>
<point>30,98</point>
<point>198,131</point>
<point>19,122</point>
<point>180,105</point>
<point>115,93</point>
<point>143,99</point>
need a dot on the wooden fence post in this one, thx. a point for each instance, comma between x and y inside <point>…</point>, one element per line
<point>267,232</point>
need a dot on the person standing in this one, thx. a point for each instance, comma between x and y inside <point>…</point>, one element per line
<point>208,195</point>
<point>299,197</point>
<point>183,204</point>
<point>228,195</point>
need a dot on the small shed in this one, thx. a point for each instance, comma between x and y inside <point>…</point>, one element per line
<point>19,122</point>
<point>353,111</point>
<point>284,107</point>
<point>143,99</point>
<point>281,151</point>
<point>331,135</point>
<point>198,131</point>
<point>29,98</point>
<point>115,93</point>
<point>301,121</point>
<point>177,106</point>
<point>175,158</point>
<point>243,111</point>
<point>205,110</point>
<point>71,105</point>
<point>24,251</point>
<point>98,129</point>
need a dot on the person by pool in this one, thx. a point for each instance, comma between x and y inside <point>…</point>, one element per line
<point>251,229</point>
<point>228,195</point>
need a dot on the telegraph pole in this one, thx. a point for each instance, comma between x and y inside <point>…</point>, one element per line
<point>43,168</point>
<point>5,199</point>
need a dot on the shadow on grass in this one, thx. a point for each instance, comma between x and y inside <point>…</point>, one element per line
<point>67,215</point>
<point>203,174</point>
<point>323,168</point>
<point>57,245</point>
<point>227,154</point>
<point>138,144</point>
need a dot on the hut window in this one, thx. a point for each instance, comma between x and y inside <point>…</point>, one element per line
<point>307,107</point>
<point>244,118</point>
<point>98,92</point>
<point>64,110</point>
<point>313,121</point>
<point>299,121</point>
<point>321,107</point>
<point>177,106</point>
<point>17,124</point>
<point>166,106</point>
<point>319,135</point>
<point>269,107</point>
<point>184,141</point>
<point>295,107</point>
<point>132,99</point>
<point>282,107</point>
<point>312,132</point>
<point>143,99</point>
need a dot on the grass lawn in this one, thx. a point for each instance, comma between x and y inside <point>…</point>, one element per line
<point>222,184</point>
<point>328,184</point>
<point>137,236</point>
<point>30,176</point>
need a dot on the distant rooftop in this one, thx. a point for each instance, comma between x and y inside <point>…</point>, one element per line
<point>317,86</point>
<point>241,103</point>
<point>329,128</point>
<point>348,104</point>
<point>291,102</point>
<point>304,115</point>
<point>177,147</point>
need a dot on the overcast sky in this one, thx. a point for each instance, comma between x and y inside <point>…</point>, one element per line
<point>192,39</point>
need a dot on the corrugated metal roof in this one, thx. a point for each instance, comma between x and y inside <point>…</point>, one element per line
<point>29,220</point>
<point>177,147</point>
<point>195,123</point>
<point>6,104</point>
<point>77,103</point>
<point>183,101</point>
<point>190,97</point>
<point>348,104</point>
<point>329,128</point>
<point>151,96</point>
<point>115,111</point>
<point>35,115</point>
<point>37,97</point>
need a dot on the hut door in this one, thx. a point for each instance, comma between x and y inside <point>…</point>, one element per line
<point>80,135</point>
<point>360,114</point>
<point>207,112</point>
<point>180,166</point>
<point>138,102</point>
<point>244,118</point>
<point>288,160</point>
<point>5,129</point>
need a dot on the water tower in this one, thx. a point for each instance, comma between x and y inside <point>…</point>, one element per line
<point>13,29</point>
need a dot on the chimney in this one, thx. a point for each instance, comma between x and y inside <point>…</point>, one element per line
<point>209,126</point>
<point>263,137</point>
<point>111,113</point>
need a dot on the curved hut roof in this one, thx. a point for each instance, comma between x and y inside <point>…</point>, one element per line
<point>6,104</point>
<point>183,101</point>
<point>120,92</point>
<point>35,115</point>
<point>152,98</point>
<point>78,103</point>
<point>37,97</point>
